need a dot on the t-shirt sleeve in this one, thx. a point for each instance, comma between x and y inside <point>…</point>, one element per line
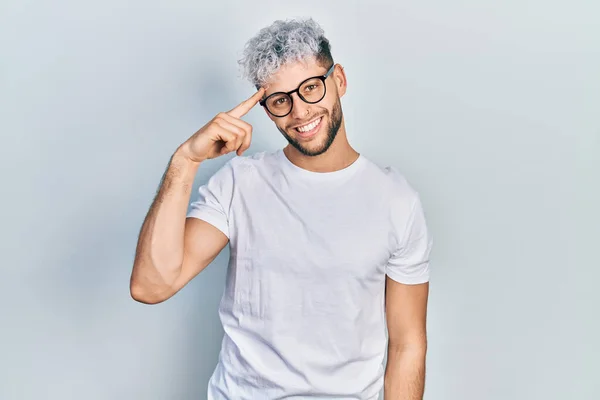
<point>213,201</point>
<point>409,264</point>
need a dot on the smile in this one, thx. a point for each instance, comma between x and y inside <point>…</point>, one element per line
<point>310,128</point>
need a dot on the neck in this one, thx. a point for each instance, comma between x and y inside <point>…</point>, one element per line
<point>339,155</point>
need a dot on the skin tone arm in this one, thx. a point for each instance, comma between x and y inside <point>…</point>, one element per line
<point>406,312</point>
<point>171,248</point>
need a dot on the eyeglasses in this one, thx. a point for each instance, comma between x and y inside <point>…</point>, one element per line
<point>311,91</point>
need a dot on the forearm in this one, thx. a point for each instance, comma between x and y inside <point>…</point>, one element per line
<point>405,373</point>
<point>160,248</point>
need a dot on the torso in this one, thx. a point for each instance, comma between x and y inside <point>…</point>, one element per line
<point>303,310</point>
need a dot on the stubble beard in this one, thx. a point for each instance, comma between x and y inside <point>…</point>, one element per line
<point>335,121</point>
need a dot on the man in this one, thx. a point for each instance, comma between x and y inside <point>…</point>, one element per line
<point>326,247</point>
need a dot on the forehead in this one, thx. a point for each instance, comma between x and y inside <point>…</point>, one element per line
<point>289,76</point>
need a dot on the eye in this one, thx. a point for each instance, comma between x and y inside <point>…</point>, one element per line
<point>280,101</point>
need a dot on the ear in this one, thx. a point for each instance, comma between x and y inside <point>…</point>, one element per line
<point>339,76</point>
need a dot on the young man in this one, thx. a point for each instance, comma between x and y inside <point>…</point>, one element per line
<point>326,247</point>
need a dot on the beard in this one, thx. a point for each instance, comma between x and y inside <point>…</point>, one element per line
<point>335,121</point>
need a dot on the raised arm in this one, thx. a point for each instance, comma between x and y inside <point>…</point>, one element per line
<point>171,248</point>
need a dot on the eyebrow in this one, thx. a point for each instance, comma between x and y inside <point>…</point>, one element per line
<point>326,74</point>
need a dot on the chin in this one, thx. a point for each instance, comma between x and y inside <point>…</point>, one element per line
<point>312,148</point>
<point>315,140</point>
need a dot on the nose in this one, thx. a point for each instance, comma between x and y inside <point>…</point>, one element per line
<point>300,109</point>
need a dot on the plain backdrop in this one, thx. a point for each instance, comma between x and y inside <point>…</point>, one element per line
<point>490,109</point>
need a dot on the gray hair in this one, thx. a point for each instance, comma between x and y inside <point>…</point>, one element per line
<point>281,43</point>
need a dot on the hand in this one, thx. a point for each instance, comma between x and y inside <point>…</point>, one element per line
<point>225,133</point>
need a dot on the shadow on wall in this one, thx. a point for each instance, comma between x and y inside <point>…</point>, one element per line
<point>106,339</point>
<point>87,296</point>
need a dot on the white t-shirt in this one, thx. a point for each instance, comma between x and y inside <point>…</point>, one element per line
<point>303,308</point>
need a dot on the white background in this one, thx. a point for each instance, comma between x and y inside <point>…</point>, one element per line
<point>491,110</point>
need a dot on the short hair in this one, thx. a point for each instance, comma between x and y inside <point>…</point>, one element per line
<point>283,42</point>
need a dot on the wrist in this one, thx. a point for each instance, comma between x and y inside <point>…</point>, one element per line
<point>182,168</point>
<point>182,156</point>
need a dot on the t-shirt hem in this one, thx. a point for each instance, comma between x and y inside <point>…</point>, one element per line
<point>406,280</point>
<point>212,219</point>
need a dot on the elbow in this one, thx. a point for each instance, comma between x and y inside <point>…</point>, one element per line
<point>143,295</point>
<point>413,342</point>
<point>417,347</point>
<point>147,285</point>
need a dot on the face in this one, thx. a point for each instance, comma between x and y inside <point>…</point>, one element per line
<point>309,128</point>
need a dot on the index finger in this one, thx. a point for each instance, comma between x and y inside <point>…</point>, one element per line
<point>242,109</point>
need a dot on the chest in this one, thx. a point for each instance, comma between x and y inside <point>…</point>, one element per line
<point>313,234</point>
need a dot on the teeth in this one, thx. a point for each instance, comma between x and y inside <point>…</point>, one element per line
<point>309,127</point>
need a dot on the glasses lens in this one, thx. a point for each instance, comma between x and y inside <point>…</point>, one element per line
<point>279,104</point>
<point>312,90</point>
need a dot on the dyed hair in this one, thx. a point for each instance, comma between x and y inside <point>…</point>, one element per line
<point>284,42</point>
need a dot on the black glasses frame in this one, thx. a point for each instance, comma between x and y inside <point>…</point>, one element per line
<point>297,90</point>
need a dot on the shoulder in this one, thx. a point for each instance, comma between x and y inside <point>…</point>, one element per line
<point>391,179</point>
<point>403,202</point>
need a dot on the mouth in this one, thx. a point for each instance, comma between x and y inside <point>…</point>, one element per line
<point>310,129</point>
